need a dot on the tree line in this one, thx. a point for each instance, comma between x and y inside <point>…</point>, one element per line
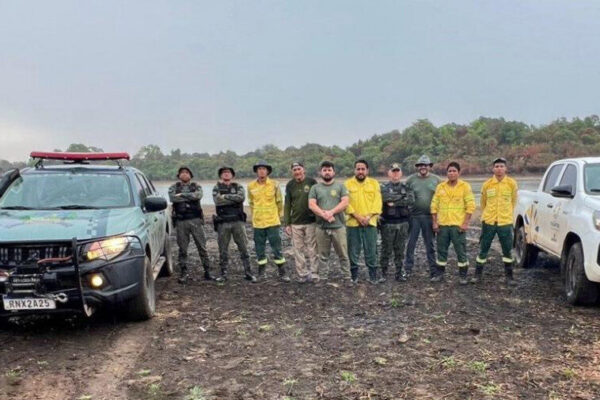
<point>528,149</point>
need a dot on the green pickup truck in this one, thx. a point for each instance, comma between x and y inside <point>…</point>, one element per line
<point>77,236</point>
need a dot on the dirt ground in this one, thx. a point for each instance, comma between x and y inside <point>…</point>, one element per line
<point>273,340</point>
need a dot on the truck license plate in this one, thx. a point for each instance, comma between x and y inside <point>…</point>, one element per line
<point>28,304</point>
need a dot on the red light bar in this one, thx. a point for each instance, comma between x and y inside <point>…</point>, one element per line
<point>78,156</point>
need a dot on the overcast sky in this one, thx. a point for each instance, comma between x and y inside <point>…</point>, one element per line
<point>218,75</point>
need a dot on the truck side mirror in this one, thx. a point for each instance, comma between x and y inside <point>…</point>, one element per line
<point>155,203</point>
<point>563,191</point>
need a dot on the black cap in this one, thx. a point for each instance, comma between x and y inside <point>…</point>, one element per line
<point>297,164</point>
<point>184,168</point>
<point>500,160</point>
<point>225,168</point>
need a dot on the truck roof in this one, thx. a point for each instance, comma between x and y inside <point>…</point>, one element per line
<point>582,160</point>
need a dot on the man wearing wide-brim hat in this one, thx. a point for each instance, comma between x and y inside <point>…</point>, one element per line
<point>229,222</point>
<point>266,204</point>
<point>423,184</point>
<point>185,196</point>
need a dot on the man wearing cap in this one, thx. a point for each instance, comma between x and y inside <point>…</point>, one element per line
<point>452,205</point>
<point>498,200</point>
<point>363,211</point>
<point>299,222</point>
<point>185,196</point>
<point>229,197</point>
<point>328,199</point>
<point>266,204</point>
<point>423,184</point>
<point>398,199</point>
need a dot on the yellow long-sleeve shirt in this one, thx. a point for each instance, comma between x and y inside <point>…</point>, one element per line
<point>498,200</point>
<point>365,198</point>
<point>452,203</point>
<point>266,203</point>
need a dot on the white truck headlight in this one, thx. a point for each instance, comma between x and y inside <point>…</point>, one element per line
<point>596,216</point>
<point>106,249</point>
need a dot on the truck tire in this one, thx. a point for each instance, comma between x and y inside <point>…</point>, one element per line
<point>168,268</point>
<point>525,253</point>
<point>578,289</point>
<point>143,305</point>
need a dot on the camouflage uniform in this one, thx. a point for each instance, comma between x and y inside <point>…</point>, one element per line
<point>190,222</point>
<point>230,222</point>
<point>398,199</point>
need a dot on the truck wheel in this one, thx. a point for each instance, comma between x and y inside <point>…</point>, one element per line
<point>525,253</point>
<point>578,289</point>
<point>143,305</point>
<point>167,268</point>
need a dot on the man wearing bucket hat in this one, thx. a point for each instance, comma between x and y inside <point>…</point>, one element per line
<point>423,184</point>
<point>185,196</point>
<point>229,197</point>
<point>266,204</point>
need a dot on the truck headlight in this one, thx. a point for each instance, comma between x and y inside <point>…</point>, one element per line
<point>106,249</point>
<point>596,217</point>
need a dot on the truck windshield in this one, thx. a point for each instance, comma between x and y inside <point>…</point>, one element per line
<point>67,190</point>
<point>591,179</point>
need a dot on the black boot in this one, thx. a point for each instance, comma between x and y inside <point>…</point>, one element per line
<point>354,275</point>
<point>223,276</point>
<point>283,273</point>
<point>383,277</point>
<point>373,276</point>
<point>462,276</point>
<point>183,275</point>
<point>400,275</point>
<point>438,274</point>
<point>248,271</point>
<point>508,274</point>
<point>207,275</point>
<point>478,273</point>
<point>261,272</point>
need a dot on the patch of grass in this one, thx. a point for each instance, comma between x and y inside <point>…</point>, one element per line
<point>289,384</point>
<point>265,328</point>
<point>395,303</point>
<point>196,393</point>
<point>449,362</point>
<point>154,391</point>
<point>144,372</point>
<point>478,366</point>
<point>241,333</point>
<point>299,332</point>
<point>569,373</point>
<point>348,377</point>
<point>490,389</point>
<point>13,373</point>
<point>426,341</point>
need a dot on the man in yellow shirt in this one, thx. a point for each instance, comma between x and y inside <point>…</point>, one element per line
<point>452,205</point>
<point>364,207</point>
<point>266,204</point>
<point>498,200</point>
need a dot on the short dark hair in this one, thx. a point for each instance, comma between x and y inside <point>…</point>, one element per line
<point>361,161</point>
<point>327,164</point>
<point>453,164</point>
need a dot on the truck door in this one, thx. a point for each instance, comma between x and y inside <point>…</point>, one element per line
<point>545,208</point>
<point>151,218</point>
<point>563,210</point>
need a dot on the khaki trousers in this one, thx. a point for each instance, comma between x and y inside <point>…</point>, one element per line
<point>337,237</point>
<point>304,243</point>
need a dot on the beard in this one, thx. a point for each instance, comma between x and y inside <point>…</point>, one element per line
<point>327,178</point>
<point>360,178</point>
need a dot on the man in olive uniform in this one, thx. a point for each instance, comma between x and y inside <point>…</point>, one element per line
<point>229,199</point>
<point>398,200</point>
<point>185,196</point>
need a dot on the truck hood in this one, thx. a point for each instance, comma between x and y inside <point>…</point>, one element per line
<point>50,225</point>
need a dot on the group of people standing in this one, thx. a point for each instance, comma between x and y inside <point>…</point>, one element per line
<point>319,215</point>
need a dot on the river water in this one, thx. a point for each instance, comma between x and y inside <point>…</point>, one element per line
<point>528,183</point>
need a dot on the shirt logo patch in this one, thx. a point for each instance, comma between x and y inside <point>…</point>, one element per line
<point>306,189</point>
<point>232,190</point>
<point>333,193</point>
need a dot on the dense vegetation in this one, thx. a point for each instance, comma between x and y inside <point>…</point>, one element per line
<point>529,149</point>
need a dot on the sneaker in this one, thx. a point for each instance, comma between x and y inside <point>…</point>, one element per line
<point>250,278</point>
<point>436,278</point>
<point>475,279</point>
<point>208,276</point>
<point>401,277</point>
<point>285,279</point>
<point>221,278</point>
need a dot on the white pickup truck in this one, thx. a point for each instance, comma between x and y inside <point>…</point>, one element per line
<point>562,218</point>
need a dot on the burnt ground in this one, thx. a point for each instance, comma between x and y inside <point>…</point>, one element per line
<point>273,340</point>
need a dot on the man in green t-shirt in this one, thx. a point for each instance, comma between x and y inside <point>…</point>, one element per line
<point>328,200</point>
<point>423,184</point>
<point>299,222</point>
